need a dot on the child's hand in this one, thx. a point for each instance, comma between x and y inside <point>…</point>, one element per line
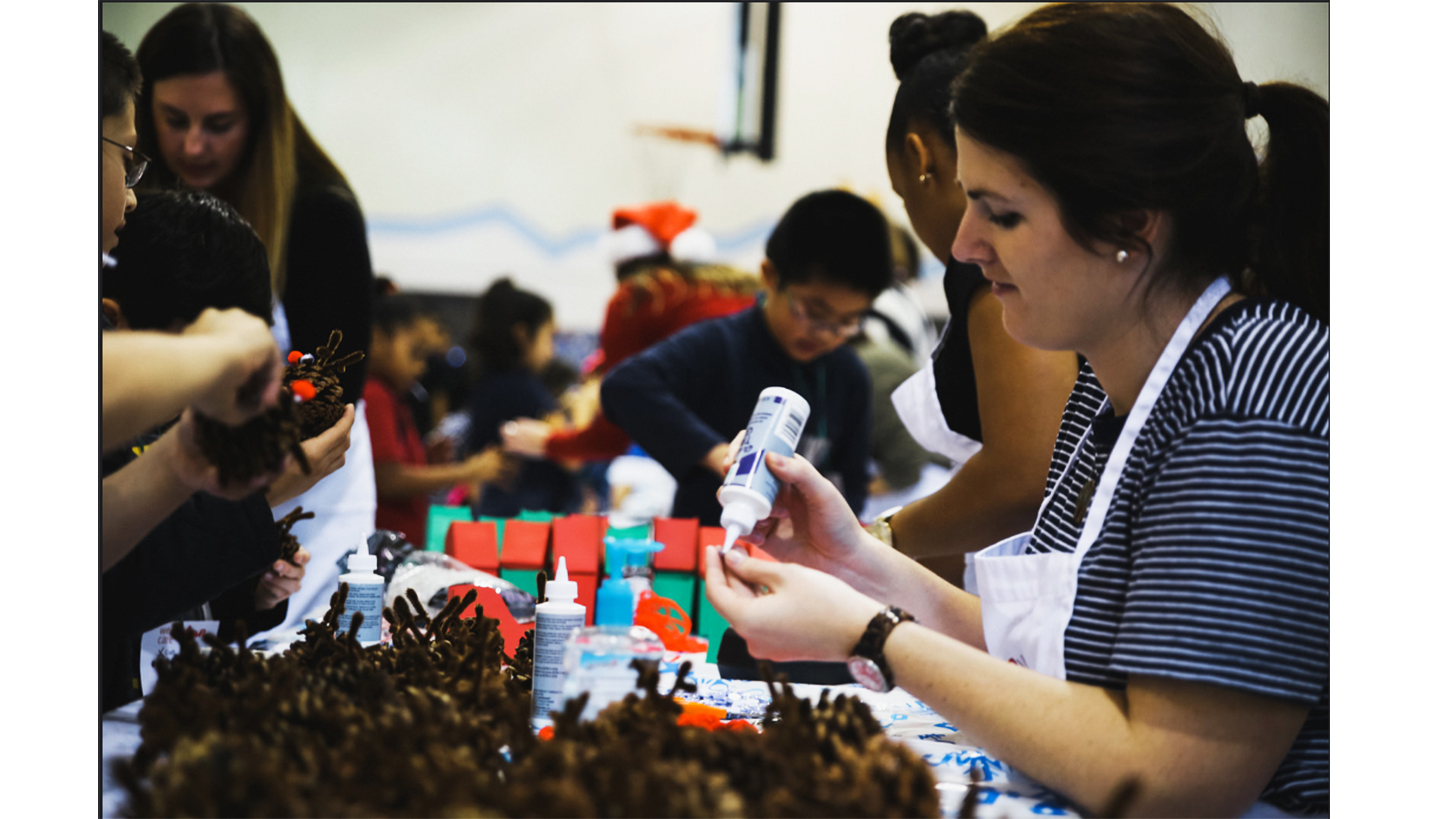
<point>491,465</point>
<point>525,436</point>
<point>722,456</point>
<point>326,453</point>
<point>281,581</point>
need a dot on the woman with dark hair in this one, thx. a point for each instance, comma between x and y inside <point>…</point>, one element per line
<point>512,341</point>
<point>986,402</point>
<point>214,116</point>
<point>1165,624</point>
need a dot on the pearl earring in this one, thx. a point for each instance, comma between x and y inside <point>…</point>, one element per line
<point>1121,256</point>
<point>923,177</point>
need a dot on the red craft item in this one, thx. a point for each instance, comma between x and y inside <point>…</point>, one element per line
<point>294,357</point>
<point>679,536</point>
<point>303,389</point>
<point>474,543</point>
<point>670,623</point>
<point>494,607</point>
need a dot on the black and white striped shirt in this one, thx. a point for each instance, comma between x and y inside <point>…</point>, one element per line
<point>1214,562</point>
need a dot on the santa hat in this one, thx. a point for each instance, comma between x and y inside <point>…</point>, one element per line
<point>646,230</point>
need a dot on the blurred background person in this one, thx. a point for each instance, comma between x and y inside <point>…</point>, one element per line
<point>512,342</point>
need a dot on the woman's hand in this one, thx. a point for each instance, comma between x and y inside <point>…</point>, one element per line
<point>525,436</point>
<point>810,523</point>
<point>326,453</point>
<point>784,611</point>
<point>282,581</point>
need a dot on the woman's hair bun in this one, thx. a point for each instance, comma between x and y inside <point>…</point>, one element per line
<point>916,35</point>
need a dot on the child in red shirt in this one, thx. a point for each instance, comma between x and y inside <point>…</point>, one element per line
<point>401,465</point>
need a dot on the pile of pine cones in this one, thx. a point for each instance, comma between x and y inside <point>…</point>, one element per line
<point>438,724</point>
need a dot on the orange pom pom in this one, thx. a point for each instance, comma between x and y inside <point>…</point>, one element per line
<point>546,733</point>
<point>303,389</point>
<point>294,357</point>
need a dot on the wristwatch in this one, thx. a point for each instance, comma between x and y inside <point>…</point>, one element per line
<point>881,529</point>
<point>867,664</point>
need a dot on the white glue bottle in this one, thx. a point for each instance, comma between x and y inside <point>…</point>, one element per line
<point>555,620</point>
<point>365,587</point>
<point>749,491</point>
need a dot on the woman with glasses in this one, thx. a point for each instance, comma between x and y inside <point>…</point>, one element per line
<point>1160,639</point>
<point>214,116</point>
<point>683,399</point>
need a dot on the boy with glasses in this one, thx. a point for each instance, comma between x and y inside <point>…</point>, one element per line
<point>685,398</point>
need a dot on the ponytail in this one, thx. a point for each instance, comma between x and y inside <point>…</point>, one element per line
<point>1291,235</point>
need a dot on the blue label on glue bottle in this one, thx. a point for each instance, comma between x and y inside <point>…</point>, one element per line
<point>775,426</point>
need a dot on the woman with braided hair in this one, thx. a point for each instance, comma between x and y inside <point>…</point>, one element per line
<point>1166,622</point>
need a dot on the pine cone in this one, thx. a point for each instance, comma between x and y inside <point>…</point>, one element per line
<point>317,415</point>
<point>254,449</point>
<point>289,545</point>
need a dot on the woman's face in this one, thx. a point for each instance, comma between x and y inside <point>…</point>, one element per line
<point>202,127</point>
<point>1056,295</point>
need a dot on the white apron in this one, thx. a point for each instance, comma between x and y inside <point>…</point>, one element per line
<point>916,402</point>
<point>1028,598</point>
<point>346,506</point>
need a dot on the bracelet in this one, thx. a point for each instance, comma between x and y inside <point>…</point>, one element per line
<point>882,529</point>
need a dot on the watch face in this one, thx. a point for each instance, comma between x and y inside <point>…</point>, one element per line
<point>866,672</point>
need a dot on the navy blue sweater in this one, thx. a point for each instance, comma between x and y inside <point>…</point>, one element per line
<point>696,389</point>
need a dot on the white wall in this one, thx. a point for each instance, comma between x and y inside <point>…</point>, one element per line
<point>496,138</point>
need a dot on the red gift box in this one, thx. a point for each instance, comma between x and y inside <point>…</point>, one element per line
<point>474,543</point>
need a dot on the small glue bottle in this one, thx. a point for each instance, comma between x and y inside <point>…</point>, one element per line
<point>555,620</point>
<point>749,491</point>
<point>365,587</point>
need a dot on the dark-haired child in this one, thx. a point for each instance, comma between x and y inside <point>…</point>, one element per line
<point>183,253</point>
<point>685,398</point>
<point>404,476</point>
<point>512,341</point>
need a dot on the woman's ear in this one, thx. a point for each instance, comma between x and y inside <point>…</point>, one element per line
<point>1147,225</point>
<point>917,153</point>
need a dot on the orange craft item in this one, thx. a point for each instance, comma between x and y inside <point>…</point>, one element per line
<point>294,357</point>
<point>670,623</point>
<point>303,389</point>
<point>699,714</point>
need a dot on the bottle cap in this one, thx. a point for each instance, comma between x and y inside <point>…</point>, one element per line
<point>738,516</point>
<point>562,589</point>
<point>362,560</point>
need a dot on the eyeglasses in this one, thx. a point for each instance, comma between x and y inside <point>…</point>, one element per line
<point>843,329</point>
<point>134,163</point>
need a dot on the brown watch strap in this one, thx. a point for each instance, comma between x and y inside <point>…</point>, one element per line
<point>871,644</point>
